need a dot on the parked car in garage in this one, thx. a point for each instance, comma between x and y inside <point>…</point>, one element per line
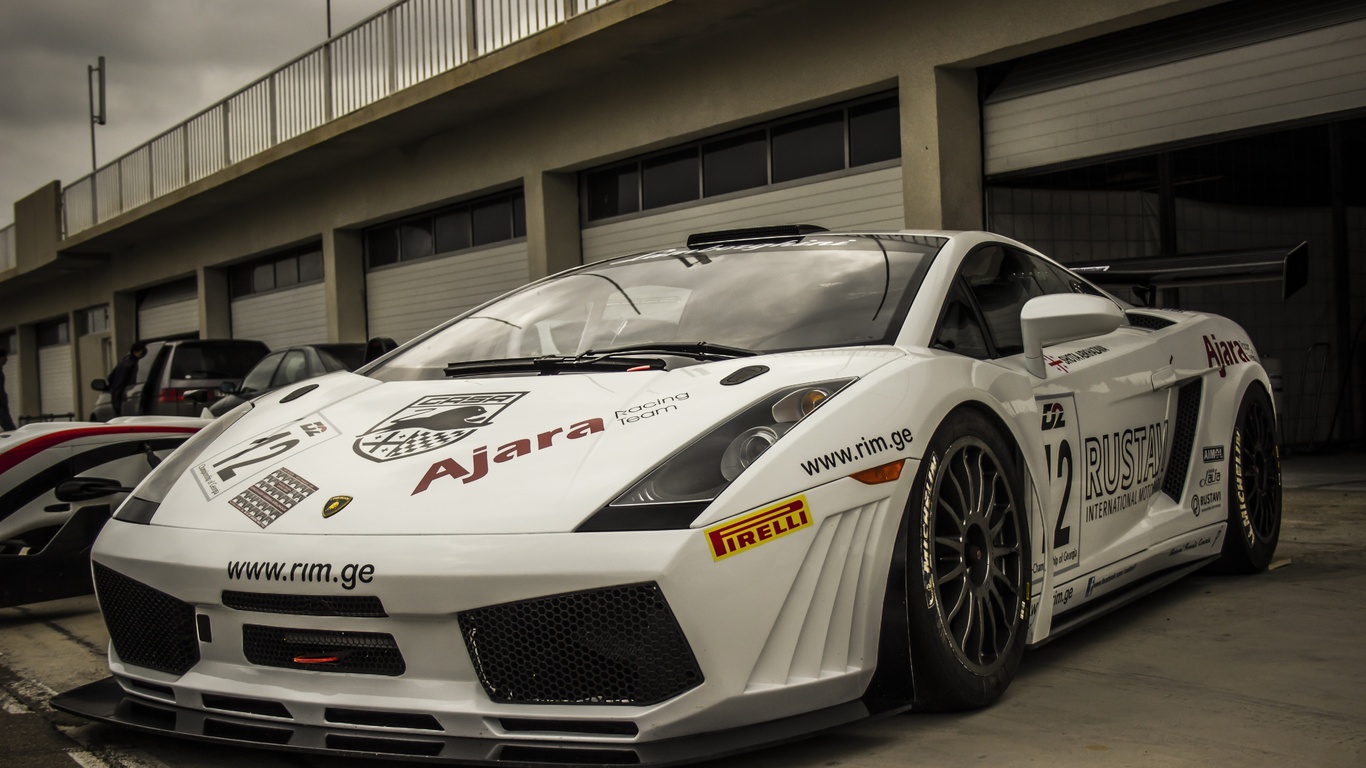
<point>282,368</point>
<point>172,368</point>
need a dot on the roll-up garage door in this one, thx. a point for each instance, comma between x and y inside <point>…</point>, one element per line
<point>169,310</point>
<point>871,200</point>
<point>1312,72</point>
<point>54,380</point>
<point>407,299</point>
<point>282,318</point>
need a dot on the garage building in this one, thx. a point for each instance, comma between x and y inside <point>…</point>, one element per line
<point>444,151</point>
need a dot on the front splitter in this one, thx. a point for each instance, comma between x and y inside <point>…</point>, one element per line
<point>106,701</point>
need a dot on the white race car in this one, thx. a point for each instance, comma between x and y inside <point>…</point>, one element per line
<point>684,503</point>
<point>45,536</point>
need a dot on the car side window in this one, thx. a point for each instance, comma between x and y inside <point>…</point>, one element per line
<point>960,329</point>
<point>1001,280</point>
<point>293,368</point>
<point>149,361</point>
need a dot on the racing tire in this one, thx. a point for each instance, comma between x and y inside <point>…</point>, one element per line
<point>1254,488</point>
<point>968,570</point>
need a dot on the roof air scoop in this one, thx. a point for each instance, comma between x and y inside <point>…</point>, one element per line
<point>775,234</point>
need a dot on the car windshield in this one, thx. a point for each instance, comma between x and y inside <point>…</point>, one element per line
<point>762,297</point>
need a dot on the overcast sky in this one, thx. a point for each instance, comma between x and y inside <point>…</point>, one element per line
<point>166,60</point>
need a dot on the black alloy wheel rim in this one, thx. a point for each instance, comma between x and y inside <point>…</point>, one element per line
<point>978,567</point>
<point>1259,471</point>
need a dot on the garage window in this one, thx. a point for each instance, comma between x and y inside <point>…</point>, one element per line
<point>281,270</point>
<point>487,220</point>
<point>827,140</point>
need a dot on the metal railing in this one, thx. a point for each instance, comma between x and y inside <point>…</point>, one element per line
<point>402,45</point>
<point>9,257</point>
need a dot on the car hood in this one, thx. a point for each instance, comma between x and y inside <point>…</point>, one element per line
<point>510,454</point>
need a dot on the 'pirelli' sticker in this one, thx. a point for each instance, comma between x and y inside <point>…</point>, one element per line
<point>774,522</point>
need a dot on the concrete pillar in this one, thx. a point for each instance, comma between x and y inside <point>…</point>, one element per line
<point>123,322</point>
<point>941,149</point>
<point>344,282</point>
<point>552,223</point>
<point>215,304</point>
<point>38,227</point>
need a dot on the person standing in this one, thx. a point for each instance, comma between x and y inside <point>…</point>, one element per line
<point>6,421</point>
<point>124,375</point>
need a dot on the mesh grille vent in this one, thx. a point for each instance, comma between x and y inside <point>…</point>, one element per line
<point>617,645</point>
<point>1183,438</point>
<point>1151,322</point>
<point>149,628</point>
<point>305,605</point>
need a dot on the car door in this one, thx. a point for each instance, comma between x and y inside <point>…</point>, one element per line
<point>1104,427</point>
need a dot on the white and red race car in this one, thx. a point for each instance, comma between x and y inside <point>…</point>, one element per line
<point>45,539</point>
<point>688,502</point>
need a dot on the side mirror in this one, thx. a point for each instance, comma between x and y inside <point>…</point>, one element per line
<point>228,387</point>
<point>1064,317</point>
<point>99,385</point>
<point>87,488</point>
<point>197,395</point>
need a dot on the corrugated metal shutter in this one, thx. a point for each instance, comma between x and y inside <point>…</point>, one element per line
<point>282,318</point>
<point>54,380</point>
<point>406,300</point>
<point>872,200</point>
<point>169,310</point>
<point>1318,72</point>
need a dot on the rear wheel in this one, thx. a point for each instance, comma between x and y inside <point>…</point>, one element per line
<point>1254,487</point>
<point>968,606</point>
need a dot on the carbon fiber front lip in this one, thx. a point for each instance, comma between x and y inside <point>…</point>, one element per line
<point>107,702</point>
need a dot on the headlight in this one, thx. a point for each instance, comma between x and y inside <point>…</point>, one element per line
<point>674,493</point>
<point>142,503</point>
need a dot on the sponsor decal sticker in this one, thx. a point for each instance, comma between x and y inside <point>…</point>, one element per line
<point>774,522</point>
<point>274,495</point>
<point>1202,542</point>
<point>1054,416</point>
<point>477,466</point>
<point>864,448</point>
<point>234,465</point>
<point>335,505</point>
<point>1093,582</point>
<point>432,422</point>
<point>1062,362</point>
<point>1123,469</point>
<point>651,409</point>
<point>1207,502</point>
<point>1212,453</point>
<point>1224,354</point>
<point>1212,478</point>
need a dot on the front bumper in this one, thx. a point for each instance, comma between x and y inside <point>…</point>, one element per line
<point>785,637</point>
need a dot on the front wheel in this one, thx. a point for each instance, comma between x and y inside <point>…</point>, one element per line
<point>1254,487</point>
<point>968,607</point>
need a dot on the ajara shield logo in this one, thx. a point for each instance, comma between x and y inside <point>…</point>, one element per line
<point>432,422</point>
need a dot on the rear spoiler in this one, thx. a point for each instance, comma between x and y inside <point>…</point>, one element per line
<point>1145,275</point>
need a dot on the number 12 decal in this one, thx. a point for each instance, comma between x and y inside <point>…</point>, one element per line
<point>1059,425</point>
<point>246,459</point>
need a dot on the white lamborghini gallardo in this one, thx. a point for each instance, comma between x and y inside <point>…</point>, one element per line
<point>688,502</point>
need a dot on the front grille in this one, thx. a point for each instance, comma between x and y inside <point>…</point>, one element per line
<point>149,628</point>
<point>617,645</point>
<point>306,605</point>
<point>365,653</point>
<point>1183,439</point>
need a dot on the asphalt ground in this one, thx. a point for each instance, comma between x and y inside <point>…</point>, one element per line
<point>1267,670</point>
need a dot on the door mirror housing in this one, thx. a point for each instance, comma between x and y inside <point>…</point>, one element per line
<point>87,488</point>
<point>99,385</point>
<point>1060,317</point>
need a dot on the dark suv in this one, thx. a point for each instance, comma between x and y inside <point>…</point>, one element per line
<point>172,368</point>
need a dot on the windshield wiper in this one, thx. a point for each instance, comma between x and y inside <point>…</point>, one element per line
<point>551,364</point>
<point>697,350</point>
